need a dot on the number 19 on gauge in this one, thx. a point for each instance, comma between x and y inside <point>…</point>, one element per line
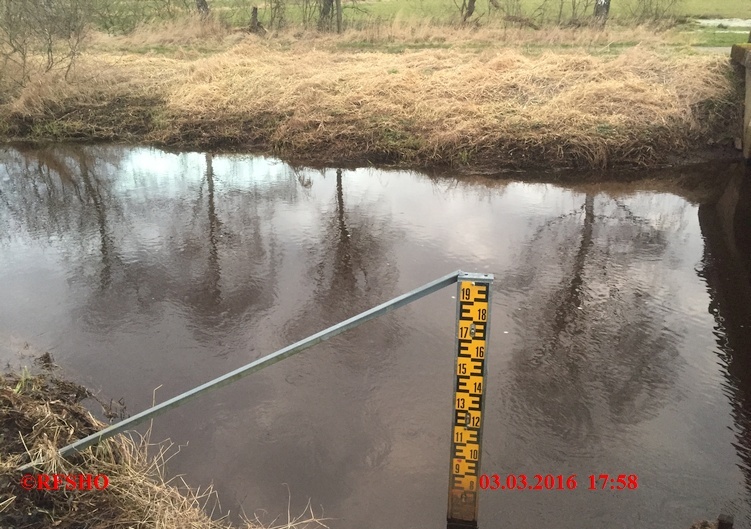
<point>473,318</point>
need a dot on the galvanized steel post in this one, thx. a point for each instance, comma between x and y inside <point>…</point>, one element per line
<point>257,365</point>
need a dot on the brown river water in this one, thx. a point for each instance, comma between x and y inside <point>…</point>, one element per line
<point>620,339</point>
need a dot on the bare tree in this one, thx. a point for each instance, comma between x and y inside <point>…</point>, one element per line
<point>466,9</point>
<point>328,9</point>
<point>469,11</point>
<point>277,13</point>
<point>325,12</point>
<point>37,36</point>
<point>602,10</point>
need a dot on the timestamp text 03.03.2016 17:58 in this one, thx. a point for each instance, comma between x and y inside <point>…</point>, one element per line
<point>557,482</point>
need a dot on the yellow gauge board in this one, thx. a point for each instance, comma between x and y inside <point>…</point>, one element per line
<point>473,319</point>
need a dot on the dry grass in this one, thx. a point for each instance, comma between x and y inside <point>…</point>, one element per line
<point>184,33</point>
<point>211,32</point>
<point>506,34</point>
<point>306,98</point>
<point>38,415</point>
<point>41,415</point>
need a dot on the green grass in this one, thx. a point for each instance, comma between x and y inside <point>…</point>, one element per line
<point>121,16</point>
<point>715,8</point>
<point>442,9</point>
<point>396,47</point>
<point>714,37</point>
<point>427,9</point>
<point>167,50</point>
<point>368,12</point>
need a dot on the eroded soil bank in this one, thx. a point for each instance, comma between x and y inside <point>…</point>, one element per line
<point>315,101</point>
<point>41,413</point>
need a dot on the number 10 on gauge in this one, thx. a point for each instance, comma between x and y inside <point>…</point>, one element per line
<point>472,326</point>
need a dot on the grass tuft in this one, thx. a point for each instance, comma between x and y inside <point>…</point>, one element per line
<point>40,414</point>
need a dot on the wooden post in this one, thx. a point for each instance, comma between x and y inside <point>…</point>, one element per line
<point>741,54</point>
<point>747,117</point>
<point>203,8</point>
<point>254,19</point>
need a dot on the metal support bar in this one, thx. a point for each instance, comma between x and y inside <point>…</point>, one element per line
<point>256,365</point>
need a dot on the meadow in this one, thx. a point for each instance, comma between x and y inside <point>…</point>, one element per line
<point>397,85</point>
<point>124,15</point>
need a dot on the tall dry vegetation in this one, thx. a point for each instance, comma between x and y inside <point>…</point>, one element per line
<point>41,414</point>
<point>304,96</point>
<point>431,107</point>
<point>39,36</point>
<point>446,106</point>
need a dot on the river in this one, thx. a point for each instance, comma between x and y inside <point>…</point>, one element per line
<point>620,339</point>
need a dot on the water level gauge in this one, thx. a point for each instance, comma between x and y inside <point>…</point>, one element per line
<point>473,318</point>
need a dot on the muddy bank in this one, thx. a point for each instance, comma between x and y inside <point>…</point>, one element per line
<point>499,108</point>
<point>40,413</point>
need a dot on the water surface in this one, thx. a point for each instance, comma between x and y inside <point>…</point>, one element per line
<point>621,328</point>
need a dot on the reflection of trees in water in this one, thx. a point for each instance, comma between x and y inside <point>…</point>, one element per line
<point>476,188</point>
<point>45,190</point>
<point>207,290</point>
<point>348,266</point>
<point>71,193</point>
<point>213,255</point>
<point>595,347</point>
<point>726,268</point>
<point>64,192</point>
<point>348,271</point>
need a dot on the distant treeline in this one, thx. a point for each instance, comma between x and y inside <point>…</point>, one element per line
<point>123,16</point>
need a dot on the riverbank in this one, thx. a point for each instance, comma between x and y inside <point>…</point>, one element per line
<point>415,98</point>
<point>39,414</point>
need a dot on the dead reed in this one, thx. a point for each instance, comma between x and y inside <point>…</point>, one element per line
<point>320,100</point>
<point>40,414</point>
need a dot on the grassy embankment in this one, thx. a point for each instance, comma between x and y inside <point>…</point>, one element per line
<point>406,92</point>
<point>41,413</point>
